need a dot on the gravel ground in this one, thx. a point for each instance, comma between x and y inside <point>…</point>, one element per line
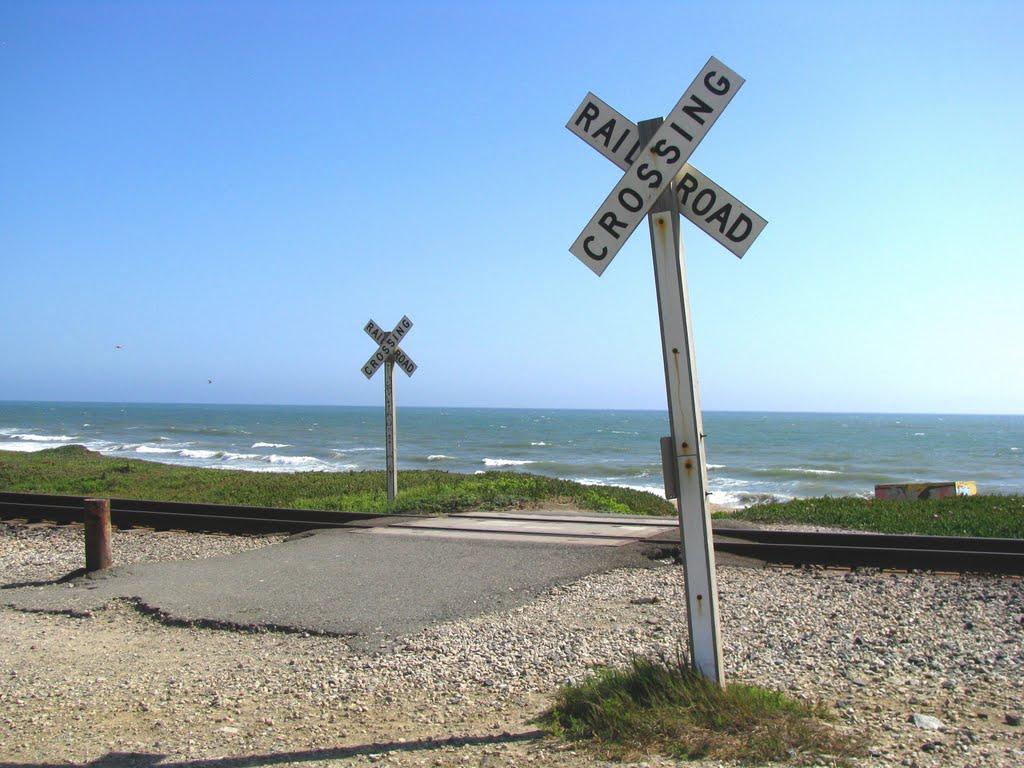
<point>42,552</point>
<point>878,648</point>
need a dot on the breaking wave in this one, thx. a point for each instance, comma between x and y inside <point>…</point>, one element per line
<point>43,438</point>
<point>507,462</point>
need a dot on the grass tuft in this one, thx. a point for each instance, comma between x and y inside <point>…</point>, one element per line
<point>653,706</point>
<point>76,471</point>
<point>983,515</point>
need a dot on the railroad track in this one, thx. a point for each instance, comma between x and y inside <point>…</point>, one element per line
<point>173,515</point>
<point>954,554</point>
<point>843,550</point>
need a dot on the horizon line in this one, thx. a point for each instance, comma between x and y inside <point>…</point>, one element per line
<point>505,408</point>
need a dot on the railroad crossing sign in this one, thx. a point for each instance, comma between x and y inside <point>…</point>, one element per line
<point>700,200</point>
<point>659,183</point>
<point>387,354</point>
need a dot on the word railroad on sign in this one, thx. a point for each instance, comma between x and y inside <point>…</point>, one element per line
<point>388,354</point>
<point>659,183</point>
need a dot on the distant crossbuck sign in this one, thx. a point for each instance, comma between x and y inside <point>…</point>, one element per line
<point>659,183</point>
<point>388,347</point>
<point>388,355</point>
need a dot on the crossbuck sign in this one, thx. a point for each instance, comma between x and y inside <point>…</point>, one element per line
<point>659,183</point>
<point>388,354</point>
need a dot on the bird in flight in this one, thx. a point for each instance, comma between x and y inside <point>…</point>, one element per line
<point>119,346</point>
<point>209,381</point>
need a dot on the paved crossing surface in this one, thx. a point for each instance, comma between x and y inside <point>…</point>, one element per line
<point>374,584</point>
<point>538,527</point>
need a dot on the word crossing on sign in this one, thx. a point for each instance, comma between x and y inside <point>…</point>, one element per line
<point>719,214</point>
<point>388,354</point>
<point>659,183</point>
<point>656,165</point>
<point>389,348</point>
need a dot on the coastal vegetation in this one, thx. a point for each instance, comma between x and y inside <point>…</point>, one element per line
<point>988,515</point>
<point>75,470</point>
<point>665,707</point>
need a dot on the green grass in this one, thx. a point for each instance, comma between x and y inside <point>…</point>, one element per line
<point>74,470</point>
<point>656,707</point>
<point>998,516</point>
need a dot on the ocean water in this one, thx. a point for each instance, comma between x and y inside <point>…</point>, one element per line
<point>751,456</point>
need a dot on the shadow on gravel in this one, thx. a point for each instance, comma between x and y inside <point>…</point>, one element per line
<point>62,580</point>
<point>148,760</point>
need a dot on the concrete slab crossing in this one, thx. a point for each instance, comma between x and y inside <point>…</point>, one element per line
<point>544,527</point>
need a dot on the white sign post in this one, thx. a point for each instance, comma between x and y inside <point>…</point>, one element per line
<point>387,354</point>
<point>660,183</point>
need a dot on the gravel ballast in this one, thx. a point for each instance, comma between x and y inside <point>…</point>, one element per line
<point>878,648</point>
<point>43,552</point>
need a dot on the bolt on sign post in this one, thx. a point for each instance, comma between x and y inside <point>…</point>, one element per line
<point>660,184</point>
<point>388,353</point>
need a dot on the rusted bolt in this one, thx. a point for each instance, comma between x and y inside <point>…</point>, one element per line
<point>685,445</point>
<point>689,465</point>
<point>675,350</point>
<point>700,597</point>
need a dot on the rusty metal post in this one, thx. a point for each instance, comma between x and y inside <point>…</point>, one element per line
<point>98,552</point>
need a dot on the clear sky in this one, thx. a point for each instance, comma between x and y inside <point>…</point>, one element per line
<point>231,190</point>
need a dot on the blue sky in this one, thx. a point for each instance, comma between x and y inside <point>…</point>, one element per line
<point>231,190</point>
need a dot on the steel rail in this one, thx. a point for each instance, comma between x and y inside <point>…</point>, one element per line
<point>173,515</point>
<point>845,550</point>
<point>955,554</point>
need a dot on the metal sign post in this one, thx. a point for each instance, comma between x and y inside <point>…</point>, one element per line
<point>387,354</point>
<point>660,184</point>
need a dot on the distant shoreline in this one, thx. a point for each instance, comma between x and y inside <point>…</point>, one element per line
<point>550,408</point>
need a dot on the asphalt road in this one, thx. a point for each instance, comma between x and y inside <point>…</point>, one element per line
<point>372,588</point>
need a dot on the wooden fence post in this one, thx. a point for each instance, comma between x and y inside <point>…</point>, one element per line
<point>98,552</point>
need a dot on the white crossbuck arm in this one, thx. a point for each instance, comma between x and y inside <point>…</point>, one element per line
<point>722,216</point>
<point>388,348</point>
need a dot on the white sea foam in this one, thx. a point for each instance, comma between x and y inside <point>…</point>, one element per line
<point>193,453</point>
<point>739,500</point>
<point>438,457</point>
<point>44,438</point>
<point>291,460</point>
<point>716,466</point>
<point>1014,448</point>
<point>343,451</point>
<point>539,442</point>
<point>919,434</point>
<point>299,464</point>
<point>724,499</point>
<point>507,462</point>
<point>806,471</point>
<point>153,449</point>
<point>29,447</point>
<point>647,488</point>
<point>271,445</point>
